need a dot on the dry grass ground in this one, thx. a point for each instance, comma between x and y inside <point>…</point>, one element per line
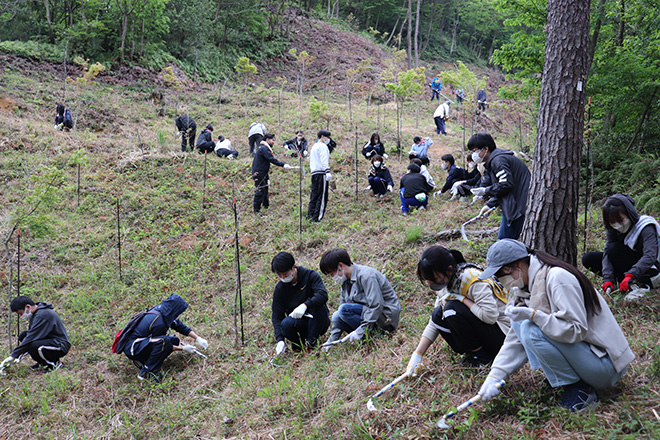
<point>175,242</point>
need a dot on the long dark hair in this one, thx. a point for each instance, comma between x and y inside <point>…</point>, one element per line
<point>437,259</point>
<point>613,210</point>
<point>372,141</point>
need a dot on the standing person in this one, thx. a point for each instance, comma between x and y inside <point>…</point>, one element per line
<point>460,96</point>
<point>436,86</point>
<point>558,322</point>
<point>374,146</point>
<point>469,312</point>
<point>481,100</point>
<point>299,311</point>
<point>297,145</point>
<point>380,178</point>
<point>149,344</point>
<point>187,128</point>
<point>367,299</point>
<point>414,189</point>
<point>454,173</point>
<point>255,136</point>
<point>260,168</point>
<point>223,148</point>
<point>440,115</point>
<point>63,120</point>
<point>505,183</point>
<point>472,179</point>
<point>420,150</point>
<point>205,142</point>
<point>319,164</point>
<point>45,340</point>
<point>631,252</point>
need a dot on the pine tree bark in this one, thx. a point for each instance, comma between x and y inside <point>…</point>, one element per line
<point>552,207</point>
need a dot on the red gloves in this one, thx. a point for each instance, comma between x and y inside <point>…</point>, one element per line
<point>608,285</point>
<point>623,286</point>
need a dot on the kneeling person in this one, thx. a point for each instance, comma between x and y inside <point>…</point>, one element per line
<point>223,148</point>
<point>300,313</point>
<point>367,299</point>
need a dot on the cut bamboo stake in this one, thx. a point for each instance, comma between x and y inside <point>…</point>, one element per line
<point>239,295</point>
<point>18,286</point>
<point>356,162</point>
<point>300,176</point>
<point>586,187</point>
<point>118,241</point>
<point>78,188</point>
<point>204,184</point>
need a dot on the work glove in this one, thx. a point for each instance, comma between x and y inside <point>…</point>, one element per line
<point>489,389</point>
<point>328,344</point>
<point>178,134</point>
<point>280,348</point>
<point>352,337</point>
<point>385,156</point>
<point>328,177</point>
<point>190,349</point>
<point>7,362</point>
<point>519,313</point>
<point>202,343</point>
<point>475,198</point>
<point>437,193</point>
<point>389,188</point>
<point>484,211</point>
<point>369,153</point>
<point>305,153</point>
<point>625,284</point>
<point>287,166</point>
<point>299,311</point>
<point>414,364</point>
<point>608,285</point>
<point>479,191</point>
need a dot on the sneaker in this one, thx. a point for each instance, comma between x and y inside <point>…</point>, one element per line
<point>138,364</point>
<point>578,396</point>
<point>636,292</point>
<point>36,367</point>
<point>49,368</point>
<point>150,375</point>
<point>475,361</point>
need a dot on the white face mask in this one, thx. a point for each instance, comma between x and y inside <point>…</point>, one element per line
<point>476,158</point>
<point>622,227</point>
<point>26,315</point>
<point>377,164</point>
<point>471,166</point>
<point>300,138</point>
<point>444,166</point>
<point>509,282</point>
<point>288,279</point>
<point>339,278</point>
<point>326,141</point>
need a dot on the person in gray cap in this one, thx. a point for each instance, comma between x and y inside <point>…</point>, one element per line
<point>558,322</point>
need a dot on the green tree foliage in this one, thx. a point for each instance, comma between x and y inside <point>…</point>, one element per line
<point>410,84</point>
<point>245,70</point>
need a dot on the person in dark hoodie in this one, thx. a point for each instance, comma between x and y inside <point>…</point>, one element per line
<point>45,340</point>
<point>260,168</point>
<point>299,312</point>
<point>63,120</point>
<point>380,178</point>
<point>454,173</point>
<point>414,189</point>
<point>631,250</point>
<point>205,143</point>
<point>505,183</point>
<point>471,179</point>
<point>149,344</point>
<point>374,146</point>
<point>188,129</point>
<point>297,145</point>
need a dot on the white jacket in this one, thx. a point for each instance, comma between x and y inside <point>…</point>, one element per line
<point>257,128</point>
<point>319,158</point>
<point>442,111</point>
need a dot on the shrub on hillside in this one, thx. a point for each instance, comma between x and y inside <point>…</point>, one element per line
<point>33,50</point>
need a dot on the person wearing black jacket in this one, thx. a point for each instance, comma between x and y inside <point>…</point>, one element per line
<point>300,313</point>
<point>260,168</point>
<point>205,143</point>
<point>414,189</point>
<point>45,340</point>
<point>374,146</point>
<point>454,173</point>
<point>63,120</point>
<point>149,344</point>
<point>188,129</point>
<point>380,178</point>
<point>472,179</point>
<point>297,145</point>
<point>505,183</point>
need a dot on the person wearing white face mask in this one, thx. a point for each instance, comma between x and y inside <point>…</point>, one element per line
<point>631,250</point>
<point>46,339</point>
<point>319,164</point>
<point>559,323</point>
<point>505,183</point>
<point>380,178</point>
<point>454,173</point>
<point>472,179</point>
<point>367,299</point>
<point>297,145</point>
<point>299,311</point>
<point>469,312</point>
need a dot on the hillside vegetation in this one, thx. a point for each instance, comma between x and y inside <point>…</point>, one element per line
<point>177,236</point>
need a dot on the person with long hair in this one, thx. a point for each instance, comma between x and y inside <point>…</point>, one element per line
<point>559,322</point>
<point>373,147</point>
<point>469,311</point>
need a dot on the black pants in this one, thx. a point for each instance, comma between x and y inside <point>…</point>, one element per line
<point>260,191</point>
<point>155,354</point>
<point>46,352</point>
<point>188,136</point>
<point>464,190</point>
<point>299,331</point>
<point>622,259</point>
<point>225,152</point>
<point>254,141</point>
<point>464,332</point>
<point>318,198</point>
<point>206,147</point>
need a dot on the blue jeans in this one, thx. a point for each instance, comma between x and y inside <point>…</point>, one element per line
<point>562,363</point>
<point>348,317</point>
<point>512,231</point>
<point>406,203</point>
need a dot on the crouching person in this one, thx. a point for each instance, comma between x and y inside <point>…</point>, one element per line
<point>300,313</point>
<point>148,344</point>
<point>45,340</point>
<point>367,299</point>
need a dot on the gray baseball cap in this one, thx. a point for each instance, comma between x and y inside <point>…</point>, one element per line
<point>501,253</point>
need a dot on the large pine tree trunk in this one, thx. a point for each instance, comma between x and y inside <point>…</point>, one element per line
<point>552,207</point>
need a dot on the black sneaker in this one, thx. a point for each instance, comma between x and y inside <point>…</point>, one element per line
<point>578,396</point>
<point>477,359</point>
<point>36,367</point>
<point>150,375</point>
<point>49,368</point>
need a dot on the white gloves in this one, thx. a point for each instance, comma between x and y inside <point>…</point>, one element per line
<point>178,134</point>
<point>389,188</point>
<point>415,364</point>
<point>479,191</point>
<point>7,362</point>
<point>280,348</point>
<point>328,177</point>
<point>385,156</point>
<point>352,337</point>
<point>489,389</point>
<point>287,166</point>
<point>328,344</point>
<point>437,193</point>
<point>299,311</point>
<point>202,343</point>
<point>484,211</point>
<point>190,349</point>
<point>519,313</point>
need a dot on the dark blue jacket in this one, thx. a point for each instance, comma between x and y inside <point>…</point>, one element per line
<point>66,117</point>
<point>383,172</point>
<point>155,324</point>
<point>506,179</point>
<point>472,178</point>
<point>369,150</point>
<point>454,175</point>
